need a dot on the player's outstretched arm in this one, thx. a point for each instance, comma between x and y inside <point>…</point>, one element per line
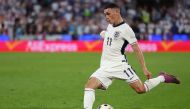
<point>141,60</point>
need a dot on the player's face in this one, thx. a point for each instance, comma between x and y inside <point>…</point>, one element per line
<point>111,15</point>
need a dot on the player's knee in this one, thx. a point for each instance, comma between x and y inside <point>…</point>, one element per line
<point>87,85</point>
<point>90,85</point>
<point>93,83</point>
<point>140,90</point>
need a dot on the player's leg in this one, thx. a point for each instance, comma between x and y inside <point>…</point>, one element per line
<point>130,76</point>
<point>89,92</point>
<point>139,87</point>
<point>100,80</point>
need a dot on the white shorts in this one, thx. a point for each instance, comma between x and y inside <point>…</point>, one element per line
<point>107,75</point>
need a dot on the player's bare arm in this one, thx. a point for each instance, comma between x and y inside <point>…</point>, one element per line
<point>102,33</point>
<point>141,60</point>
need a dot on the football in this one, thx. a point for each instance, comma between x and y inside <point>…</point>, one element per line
<point>105,106</point>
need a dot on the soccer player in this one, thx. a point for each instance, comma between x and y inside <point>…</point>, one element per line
<point>114,64</point>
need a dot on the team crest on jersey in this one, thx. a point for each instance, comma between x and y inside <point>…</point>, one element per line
<point>116,34</point>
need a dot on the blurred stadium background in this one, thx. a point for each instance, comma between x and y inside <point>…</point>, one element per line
<point>56,80</point>
<point>71,19</point>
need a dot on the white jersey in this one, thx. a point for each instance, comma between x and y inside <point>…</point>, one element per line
<point>116,38</point>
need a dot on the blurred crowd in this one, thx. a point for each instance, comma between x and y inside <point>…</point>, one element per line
<point>77,17</point>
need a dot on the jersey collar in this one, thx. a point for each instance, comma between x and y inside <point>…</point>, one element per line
<point>119,24</point>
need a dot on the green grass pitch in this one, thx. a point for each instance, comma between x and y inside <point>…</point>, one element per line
<point>56,81</point>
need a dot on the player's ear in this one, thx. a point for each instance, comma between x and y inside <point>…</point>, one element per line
<point>117,10</point>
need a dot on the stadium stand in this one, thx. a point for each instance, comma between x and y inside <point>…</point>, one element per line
<point>78,19</point>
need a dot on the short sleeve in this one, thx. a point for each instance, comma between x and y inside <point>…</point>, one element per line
<point>129,35</point>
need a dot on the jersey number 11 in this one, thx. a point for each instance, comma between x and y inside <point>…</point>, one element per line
<point>109,41</point>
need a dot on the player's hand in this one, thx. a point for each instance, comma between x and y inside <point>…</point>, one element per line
<point>147,73</point>
<point>102,34</point>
